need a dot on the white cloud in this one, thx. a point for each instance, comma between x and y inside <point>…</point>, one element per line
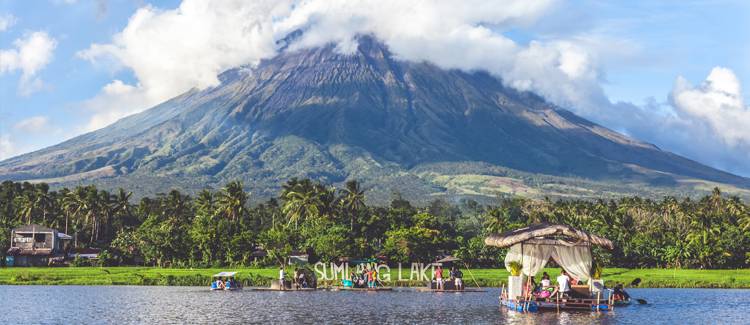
<point>707,123</point>
<point>116,100</point>
<point>7,149</point>
<point>718,103</point>
<point>172,51</point>
<point>34,124</point>
<point>31,54</point>
<point>7,21</point>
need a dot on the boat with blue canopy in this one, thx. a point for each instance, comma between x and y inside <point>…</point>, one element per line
<point>225,281</point>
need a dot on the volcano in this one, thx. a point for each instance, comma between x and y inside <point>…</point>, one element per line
<point>395,125</point>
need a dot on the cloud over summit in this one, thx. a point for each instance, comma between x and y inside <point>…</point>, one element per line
<point>172,51</point>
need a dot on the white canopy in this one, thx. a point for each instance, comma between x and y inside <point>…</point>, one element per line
<point>224,274</point>
<point>575,259</point>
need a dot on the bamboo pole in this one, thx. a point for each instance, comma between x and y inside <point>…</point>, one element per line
<point>598,297</point>
<point>557,303</point>
<point>472,275</point>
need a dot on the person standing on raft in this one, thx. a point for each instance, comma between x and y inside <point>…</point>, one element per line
<point>282,275</point>
<point>439,277</point>
<point>457,276</point>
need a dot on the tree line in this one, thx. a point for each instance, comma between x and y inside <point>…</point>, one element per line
<point>221,228</point>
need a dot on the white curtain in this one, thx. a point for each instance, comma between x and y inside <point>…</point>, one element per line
<point>574,259</point>
<point>533,258</point>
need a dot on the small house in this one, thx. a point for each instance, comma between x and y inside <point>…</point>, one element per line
<point>35,245</point>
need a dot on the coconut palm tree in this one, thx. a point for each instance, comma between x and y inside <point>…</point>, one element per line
<point>352,200</point>
<point>26,204</point>
<point>232,201</point>
<point>43,201</point>
<point>301,202</point>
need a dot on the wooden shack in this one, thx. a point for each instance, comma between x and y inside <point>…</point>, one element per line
<point>35,245</point>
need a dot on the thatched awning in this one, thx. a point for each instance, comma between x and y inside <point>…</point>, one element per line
<point>545,231</point>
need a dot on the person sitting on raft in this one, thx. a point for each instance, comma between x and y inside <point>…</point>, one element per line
<point>219,283</point>
<point>546,289</point>
<point>529,288</point>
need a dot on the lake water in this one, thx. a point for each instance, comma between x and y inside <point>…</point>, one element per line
<point>180,305</point>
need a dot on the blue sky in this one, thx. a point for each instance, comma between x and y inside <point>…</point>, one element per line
<point>636,50</point>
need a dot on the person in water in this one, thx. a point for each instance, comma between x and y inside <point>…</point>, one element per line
<point>219,283</point>
<point>619,293</point>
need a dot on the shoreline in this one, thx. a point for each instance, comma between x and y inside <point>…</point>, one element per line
<point>259,277</point>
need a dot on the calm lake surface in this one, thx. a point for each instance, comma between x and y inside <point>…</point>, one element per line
<point>180,305</point>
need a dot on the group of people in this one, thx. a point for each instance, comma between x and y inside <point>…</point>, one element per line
<point>222,284</point>
<point>367,277</point>
<point>544,289</point>
<point>456,277</point>
<point>299,280</point>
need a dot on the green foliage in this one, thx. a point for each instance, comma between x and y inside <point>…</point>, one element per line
<point>596,271</point>
<point>515,268</point>
<point>220,228</point>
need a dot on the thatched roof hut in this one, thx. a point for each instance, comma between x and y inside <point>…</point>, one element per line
<point>543,233</point>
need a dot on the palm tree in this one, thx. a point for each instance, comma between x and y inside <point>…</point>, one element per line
<point>26,207</point>
<point>43,201</point>
<point>69,203</point>
<point>352,200</point>
<point>204,203</point>
<point>301,203</point>
<point>232,201</point>
<point>121,205</point>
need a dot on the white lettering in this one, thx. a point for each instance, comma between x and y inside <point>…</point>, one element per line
<point>385,276</point>
<point>321,273</point>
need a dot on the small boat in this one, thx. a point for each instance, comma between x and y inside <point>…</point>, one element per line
<point>624,302</point>
<point>225,281</point>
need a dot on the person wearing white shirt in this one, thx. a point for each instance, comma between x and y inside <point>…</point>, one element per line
<point>282,275</point>
<point>563,283</point>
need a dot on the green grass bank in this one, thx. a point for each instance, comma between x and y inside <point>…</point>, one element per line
<point>654,278</point>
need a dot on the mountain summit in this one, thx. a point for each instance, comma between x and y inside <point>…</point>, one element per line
<point>395,125</point>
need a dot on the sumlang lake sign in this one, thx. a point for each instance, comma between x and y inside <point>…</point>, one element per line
<point>333,271</point>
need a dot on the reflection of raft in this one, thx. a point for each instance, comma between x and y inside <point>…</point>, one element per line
<point>278,289</point>
<point>564,304</point>
<point>361,289</point>
<point>468,290</point>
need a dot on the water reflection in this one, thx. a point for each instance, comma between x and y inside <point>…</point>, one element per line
<point>180,305</point>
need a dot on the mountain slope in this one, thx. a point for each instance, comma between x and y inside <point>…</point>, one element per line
<point>394,124</point>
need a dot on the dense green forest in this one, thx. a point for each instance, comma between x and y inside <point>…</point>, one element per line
<point>221,228</point>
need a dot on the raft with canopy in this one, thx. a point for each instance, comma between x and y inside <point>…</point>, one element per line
<point>532,247</point>
<point>228,281</point>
